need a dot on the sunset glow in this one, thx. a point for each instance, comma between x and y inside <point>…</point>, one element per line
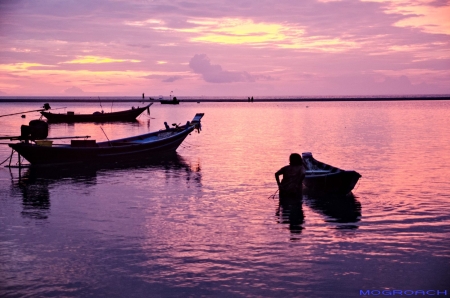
<point>95,60</point>
<point>236,31</point>
<point>201,48</point>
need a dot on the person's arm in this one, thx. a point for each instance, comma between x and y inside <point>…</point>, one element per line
<point>277,176</point>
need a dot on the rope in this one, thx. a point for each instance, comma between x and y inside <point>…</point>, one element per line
<point>273,196</point>
<point>191,144</point>
<point>5,160</point>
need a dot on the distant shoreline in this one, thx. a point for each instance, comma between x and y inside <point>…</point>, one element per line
<point>193,100</point>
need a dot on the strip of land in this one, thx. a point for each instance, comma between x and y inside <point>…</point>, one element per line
<point>218,99</point>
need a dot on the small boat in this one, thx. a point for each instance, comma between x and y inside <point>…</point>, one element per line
<point>89,151</point>
<point>127,115</point>
<point>323,178</point>
<point>171,101</point>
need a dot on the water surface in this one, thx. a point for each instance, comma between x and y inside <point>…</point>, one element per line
<point>201,222</point>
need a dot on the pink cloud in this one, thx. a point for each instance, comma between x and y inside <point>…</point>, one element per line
<point>310,46</point>
<point>211,73</point>
<point>74,91</point>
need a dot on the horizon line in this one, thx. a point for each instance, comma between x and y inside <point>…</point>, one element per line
<point>226,98</point>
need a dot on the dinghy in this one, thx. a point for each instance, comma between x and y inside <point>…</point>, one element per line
<point>323,178</point>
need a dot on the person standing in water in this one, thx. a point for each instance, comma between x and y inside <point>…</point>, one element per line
<point>293,174</point>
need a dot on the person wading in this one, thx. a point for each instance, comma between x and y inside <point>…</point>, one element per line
<point>293,174</point>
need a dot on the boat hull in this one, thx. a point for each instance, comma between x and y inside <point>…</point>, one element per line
<point>322,178</point>
<point>169,102</point>
<point>339,183</point>
<point>128,115</point>
<point>41,155</point>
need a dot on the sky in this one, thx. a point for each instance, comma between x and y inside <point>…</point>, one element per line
<point>224,48</point>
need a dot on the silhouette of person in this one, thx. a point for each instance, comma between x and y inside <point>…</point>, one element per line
<point>293,174</point>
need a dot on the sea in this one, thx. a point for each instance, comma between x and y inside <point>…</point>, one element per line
<point>207,221</point>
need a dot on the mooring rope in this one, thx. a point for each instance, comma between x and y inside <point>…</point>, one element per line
<point>5,161</point>
<point>7,158</point>
<point>273,196</point>
<point>193,145</point>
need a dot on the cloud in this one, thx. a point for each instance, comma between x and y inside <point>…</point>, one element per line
<point>73,91</point>
<point>172,79</point>
<point>142,46</point>
<point>439,3</point>
<point>46,43</point>
<point>201,64</point>
<point>106,84</point>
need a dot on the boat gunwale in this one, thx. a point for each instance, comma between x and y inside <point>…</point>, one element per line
<point>106,144</point>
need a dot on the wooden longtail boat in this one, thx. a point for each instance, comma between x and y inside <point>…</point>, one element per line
<point>127,115</point>
<point>323,178</point>
<point>126,149</point>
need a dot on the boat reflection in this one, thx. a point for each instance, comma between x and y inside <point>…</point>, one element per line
<point>35,198</point>
<point>344,210</point>
<point>34,183</point>
<point>291,213</point>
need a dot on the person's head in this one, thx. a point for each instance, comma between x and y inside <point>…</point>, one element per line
<point>295,159</point>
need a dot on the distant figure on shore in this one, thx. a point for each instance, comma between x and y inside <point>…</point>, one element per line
<point>293,174</point>
<point>248,99</point>
<point>251,99</point>
<point>143,97</point>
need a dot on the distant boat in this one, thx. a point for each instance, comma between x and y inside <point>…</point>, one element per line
<point>171,101</point>
<point>323,178</point>
<point>174,101</point>
<point>121,150</point>
<point>127,115</point>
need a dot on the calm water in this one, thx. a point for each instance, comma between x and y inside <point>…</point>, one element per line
<point>201,223</point>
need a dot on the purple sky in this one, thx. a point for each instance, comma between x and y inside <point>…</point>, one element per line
<point>224,48</point>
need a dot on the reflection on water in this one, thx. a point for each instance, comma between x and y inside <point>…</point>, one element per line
<point>344,210</point>
<point>290,212</point>
<point>35,183</point>
<point>202,225</point>
<point>35,198</point>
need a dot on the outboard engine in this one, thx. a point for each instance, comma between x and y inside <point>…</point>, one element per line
<point>38,129</point>
<point>35,130</point>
